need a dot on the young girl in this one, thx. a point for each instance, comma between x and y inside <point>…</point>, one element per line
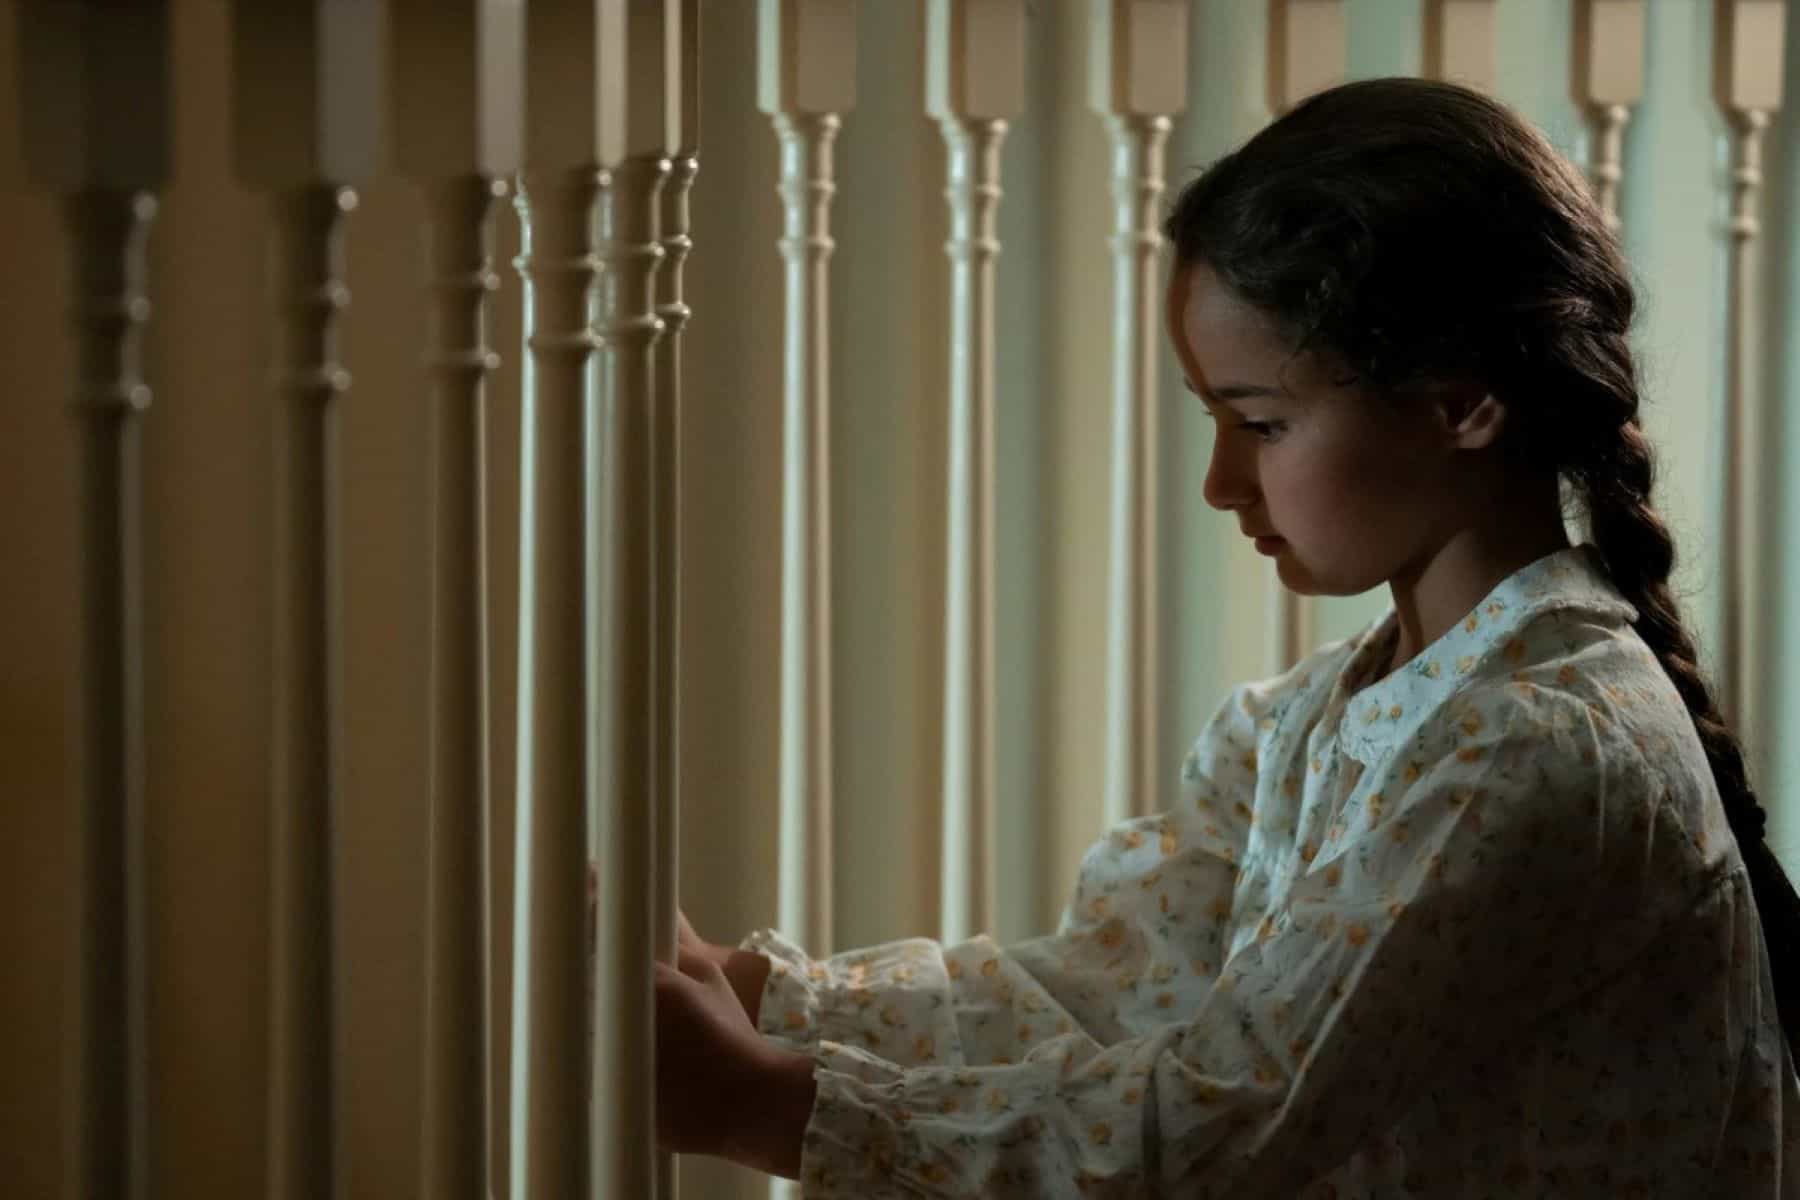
<point>1474,904</point>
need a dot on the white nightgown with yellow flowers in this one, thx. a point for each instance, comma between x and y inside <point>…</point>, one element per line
<point>1475,929</point>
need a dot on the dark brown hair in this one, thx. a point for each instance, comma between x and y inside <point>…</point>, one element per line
<point>1420,231</point>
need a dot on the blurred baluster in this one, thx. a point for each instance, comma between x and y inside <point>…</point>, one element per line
<point>96,130</point>
<point>1138,80</point>
<point>1749,37</point>
<point>806,80</point>
<point>1608,61</point>
<point>457,107</point>
<point>307,123</point>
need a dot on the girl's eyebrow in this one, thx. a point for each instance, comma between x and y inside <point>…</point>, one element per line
<point>1232,391</point>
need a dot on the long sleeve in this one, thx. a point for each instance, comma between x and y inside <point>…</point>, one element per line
<point>1150,901</point>
<point>1524,862</point>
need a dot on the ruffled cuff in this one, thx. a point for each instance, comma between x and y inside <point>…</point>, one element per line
<point>789,1012</point>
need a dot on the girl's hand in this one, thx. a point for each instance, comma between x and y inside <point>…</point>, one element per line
<point>690,940</point>
<point>721,1089</point>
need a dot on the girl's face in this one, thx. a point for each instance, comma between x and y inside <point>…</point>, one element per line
<point>1344,489</point>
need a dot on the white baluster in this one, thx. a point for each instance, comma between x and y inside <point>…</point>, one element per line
<point>806,79</point>
<point>96,117</point>
<point>1748,41</point>
<point>457,107</point>
<point>1459,42</point>
<point>1608,61</point>
<point>1138,79</point>
<point>683,140</point>
<point>1306,54</point>
<point>974,81</point>
<point>306,124</point>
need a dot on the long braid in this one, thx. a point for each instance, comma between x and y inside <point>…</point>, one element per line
<point>1640,555</point>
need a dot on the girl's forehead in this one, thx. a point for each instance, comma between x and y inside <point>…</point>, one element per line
<point>1222,340</point>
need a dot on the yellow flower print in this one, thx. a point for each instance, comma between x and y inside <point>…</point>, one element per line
<point>954,968</point>
<point>903,973</point>
<point>1412,772</point>
<point>1250,761</point>
<point>816,973</point>
<point>1266,724</point>
<point>1376,803</point>
<point>1170,842</point>
<point>934,1173</point>
<point>1394,713</point>
<point>871,1038</point>
<point>1472,623</point>
<point>1471,722</point>
<point>1514,651</point>
<point>1063,1025</point>
<point>1290,787</point>
<point>1470,754</point>
<point>1465,664</point>
<point>1326,926</point>
<point>890,1016</point>
<point>1199,966</point>
<point>1127,980</point>
<point>1299,1046</point>
<point>997,1101</point>
<point>1308,852</point>
<point>1399,832</point>
<point>1433,668</point>
<point>1165,999</point>
<point>1333,873</point>
<point>1100,1134</point>
<point>1317,766</point>
<point>1356,933</point>
<point>794,1019</point>
<point>1566,675</point>
<point>1132,839</point>
<point>1221,910</point>
<point>1096,908</point>
<point>1025,1033</point>
<point>1164,903</point>
<point>1032,1002</point>
<point>1111,934</point>
<point>862,997</point>
<point>1241,809</point>
<point>1131,1095</point>
<point>1161,973</point>
<point>924,1048</point>
<point>1395,909</point>
<point>968,1079</point>
<point>1496,608</point>
<point>1373,715</point>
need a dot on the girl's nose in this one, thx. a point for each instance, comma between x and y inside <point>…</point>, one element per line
<point>1230,477</point>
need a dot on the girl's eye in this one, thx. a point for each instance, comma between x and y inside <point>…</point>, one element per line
<point>1268,431</point>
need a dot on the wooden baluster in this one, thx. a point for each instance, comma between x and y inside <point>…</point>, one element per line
<point>634,127</point>
<point>96,130</point>
<point>974,82</point>
<point>683,139</point>
<point>1459,42</point>
<point>1307,52</point>
<point>1138,81</point>
<point>306,125</point>
<point>1748,41</point>
<point>584,1021</point>
<point>457,107</point>
<point>806,81</point>
<point>1608,63</point>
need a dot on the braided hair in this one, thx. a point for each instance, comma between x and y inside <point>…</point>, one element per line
<point>1420,231</point>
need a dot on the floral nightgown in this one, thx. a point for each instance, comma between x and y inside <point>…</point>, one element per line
<point>1478,928</point>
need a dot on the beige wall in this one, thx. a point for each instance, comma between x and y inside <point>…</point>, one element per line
<point>206,453</point>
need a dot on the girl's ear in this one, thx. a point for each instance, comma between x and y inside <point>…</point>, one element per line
<point>1472,419</point>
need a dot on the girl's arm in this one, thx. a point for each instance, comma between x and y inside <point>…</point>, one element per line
<point>1522,868</point>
